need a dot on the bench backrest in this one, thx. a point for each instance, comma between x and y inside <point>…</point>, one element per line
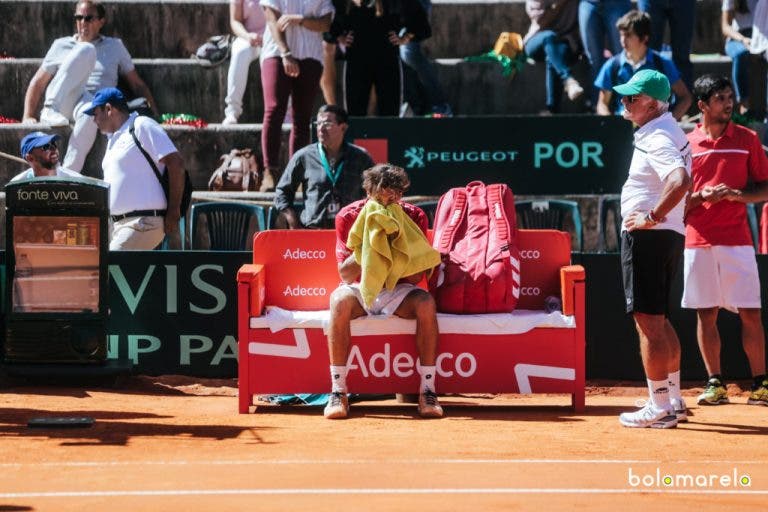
<point>301,270</point>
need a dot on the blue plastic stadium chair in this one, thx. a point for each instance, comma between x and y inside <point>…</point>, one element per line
<point>551,214</point>
<point>430,208</point>
<point>609,206</point>
<point>753,218</point>
<point>277,221</point>
<point>230,226</point>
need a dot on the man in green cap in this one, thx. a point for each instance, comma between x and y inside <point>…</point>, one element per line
<point>652,240</point>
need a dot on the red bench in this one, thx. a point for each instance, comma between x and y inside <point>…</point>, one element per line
<point>282,311</point>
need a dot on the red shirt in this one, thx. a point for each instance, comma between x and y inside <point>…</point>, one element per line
<point>735,158</point>
<point>347,216</point>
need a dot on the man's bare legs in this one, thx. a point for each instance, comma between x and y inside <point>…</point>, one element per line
<point>345,307</point>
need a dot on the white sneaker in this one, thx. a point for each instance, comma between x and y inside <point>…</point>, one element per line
<point>337,407</point>
<point>52,117</point>
<point>681,411</point>
<point>573,89</point>
<point>229,119</point>
<point>649,416</point>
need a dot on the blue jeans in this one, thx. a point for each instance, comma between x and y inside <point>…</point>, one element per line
<point>413,57</point>
<point>739,68</point>
<point>597,21</point>
<point>546,46</point>
<point>680,15</point>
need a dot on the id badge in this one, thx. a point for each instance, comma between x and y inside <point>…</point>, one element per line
<point>333,207</point>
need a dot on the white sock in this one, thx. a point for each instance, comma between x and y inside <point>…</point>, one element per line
<point>659,390</point>
<point>427,379</point>
<point>338,379</point>
<point>674,385</point>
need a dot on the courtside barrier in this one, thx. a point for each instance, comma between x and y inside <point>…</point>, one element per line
<point>283,317</point>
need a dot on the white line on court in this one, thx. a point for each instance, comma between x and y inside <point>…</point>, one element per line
<point>245,462</point>
<point>341,491</point>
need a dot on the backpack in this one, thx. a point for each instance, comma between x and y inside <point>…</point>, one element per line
<point>475,231</point>
<point>215,50</point>
<point>509,44</point>
<point>239,171</point>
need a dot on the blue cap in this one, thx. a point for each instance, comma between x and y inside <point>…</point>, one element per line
<point>35,140</point>
<point>111,95</point>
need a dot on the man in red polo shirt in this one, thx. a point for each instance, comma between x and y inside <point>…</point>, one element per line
<point>729,169</point>
<point>385,184</point>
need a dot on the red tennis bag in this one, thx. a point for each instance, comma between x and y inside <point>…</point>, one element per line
<point>475,231</point>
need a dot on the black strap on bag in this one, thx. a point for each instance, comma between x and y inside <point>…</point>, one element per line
<point>186,195</point>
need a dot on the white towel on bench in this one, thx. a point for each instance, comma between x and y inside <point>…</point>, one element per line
<point>517,322</point>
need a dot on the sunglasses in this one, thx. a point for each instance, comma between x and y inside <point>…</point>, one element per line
<point>48,147</point>
<point>632,98</point>
<point>87,18</point>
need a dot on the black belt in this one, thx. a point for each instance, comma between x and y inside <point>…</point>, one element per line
<point>139,213</point>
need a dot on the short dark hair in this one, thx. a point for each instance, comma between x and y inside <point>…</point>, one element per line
<point>340,113</point>
<point>637,22</point>
<point>385,176</point>
<point>707,85</point>
<point>101,12</point>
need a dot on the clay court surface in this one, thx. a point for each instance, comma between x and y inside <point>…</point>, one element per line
<point>176,443</point>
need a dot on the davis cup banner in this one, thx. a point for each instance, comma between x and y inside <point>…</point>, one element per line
<point>532,154</point>
<point>175,312</point>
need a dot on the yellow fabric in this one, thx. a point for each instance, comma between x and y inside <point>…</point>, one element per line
<point>388,245</point>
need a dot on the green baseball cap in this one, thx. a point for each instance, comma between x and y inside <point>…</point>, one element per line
<point>649,82</point>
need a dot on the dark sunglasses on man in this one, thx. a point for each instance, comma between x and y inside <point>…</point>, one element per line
<point>87,18</point>
<point>48,147</point>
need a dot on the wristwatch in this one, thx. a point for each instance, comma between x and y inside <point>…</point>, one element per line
<point>650,218</point>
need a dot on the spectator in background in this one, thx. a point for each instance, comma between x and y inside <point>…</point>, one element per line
<point>597,26</point>
<point>554,39</point>
<point>680,15</point>
<point>426,79</point>
<point>736,24</point>
<point>759,42</point>
<point>73,69</point>
<point>331,53</point>
<point>291,65</point>
<point>246,18</point>
<point>42,153</point>
<point>329,173</point>
<point>634,32</point>
<point>372,33</point>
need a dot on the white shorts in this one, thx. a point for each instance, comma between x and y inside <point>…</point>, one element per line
<point>386,302</point>
<point>721,276</point>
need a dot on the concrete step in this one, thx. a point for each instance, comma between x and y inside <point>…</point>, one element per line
<point>175,28</point>
<point>183,86</point>
<point>200,148</point>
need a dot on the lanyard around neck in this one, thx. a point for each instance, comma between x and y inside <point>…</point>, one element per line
<point>333,176</point>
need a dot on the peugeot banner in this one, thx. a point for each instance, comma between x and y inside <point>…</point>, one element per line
<point>532,154</point>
